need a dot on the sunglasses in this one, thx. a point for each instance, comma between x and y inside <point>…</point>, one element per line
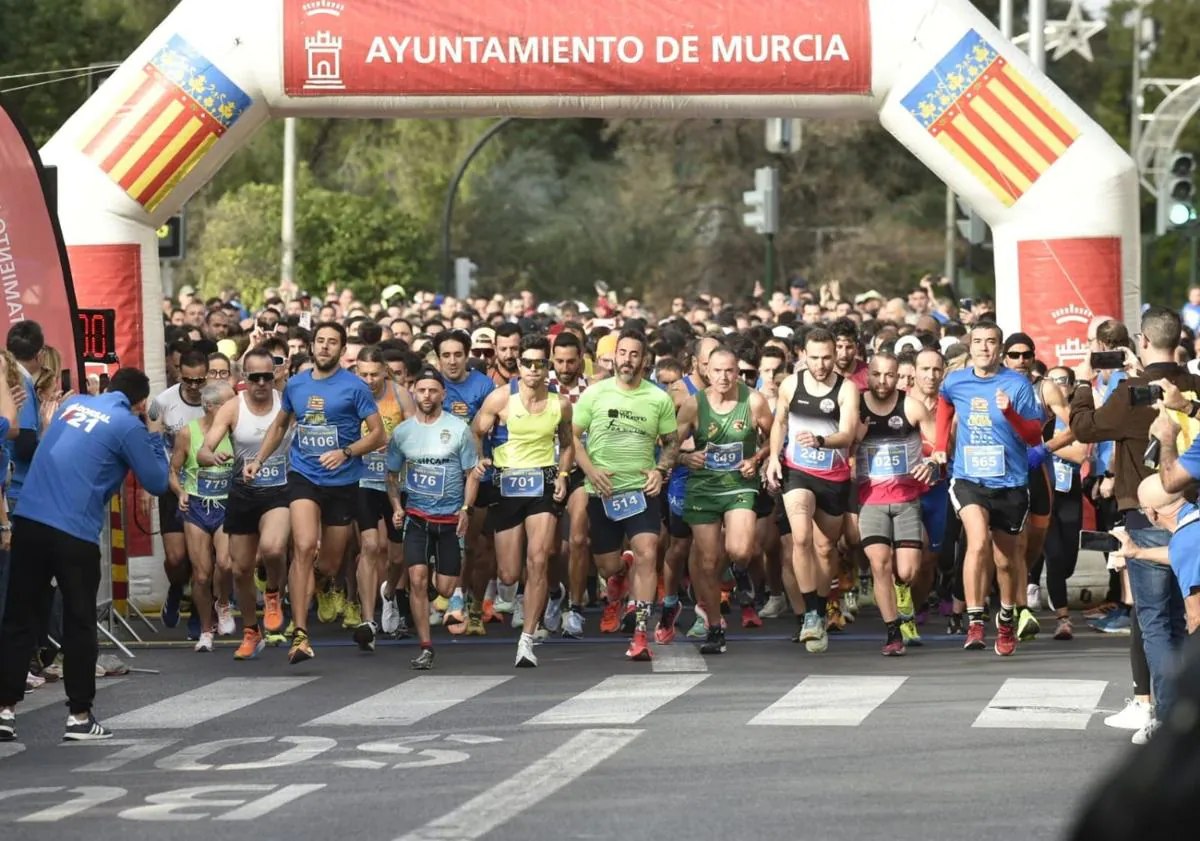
<point>195,380</point>
<point>535,364</point>
<point>261,377</point>
<point>482,352</point>
<point>1020,354</point>
<point>279,360</point>
<point>1060,381</point>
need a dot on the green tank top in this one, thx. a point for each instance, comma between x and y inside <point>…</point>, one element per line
<point>731,438</point>
<point>206,482</point>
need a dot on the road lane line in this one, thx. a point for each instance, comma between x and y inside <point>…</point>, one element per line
<point>205,703</point>
<point>408,702</point>
<point>621,699</point>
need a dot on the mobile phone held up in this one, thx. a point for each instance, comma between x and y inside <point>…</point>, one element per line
<point>1098,541</point>
<point>1145,395</point>
<point>1107,360</point>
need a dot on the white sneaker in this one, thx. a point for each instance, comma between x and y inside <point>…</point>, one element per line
<point>506,597</point>
<point>552,618</point>
<point>518,613</point>
<point>225,623</point>
<point>1144,735</point>
<point>435,615</point>
<point>775,607</point>
<point>205,643</point>
<point>390,621</point>
<point>1033,596</point>
<point>1136,716</point>
<point>33,681</point>
<point>572,625</point>
<point>526,659</point>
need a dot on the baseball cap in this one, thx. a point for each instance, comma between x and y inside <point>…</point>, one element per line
<point>607,345</point>
<point>391,292</point>
<point>909,343</point>
<point>783,332</point>
<point>483,337</point>
<point>871,295</point>
<point>428,372</point>
<point>1019,339</point>
<point>187,290</point>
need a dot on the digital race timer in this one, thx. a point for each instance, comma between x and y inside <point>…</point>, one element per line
<point>98,335</point>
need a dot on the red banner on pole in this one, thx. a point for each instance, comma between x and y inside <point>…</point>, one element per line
<point>34,275</point>
<point>551,47</point>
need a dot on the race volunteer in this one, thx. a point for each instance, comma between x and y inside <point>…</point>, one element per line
<point>727,419</point>
<point>83,459</point>
<point>432,484</point>
<point>381,539</point>
<point>256,516</point>
<point>817,415</point>
<point>176,407</point>
<point>892,475</point>
<point>999,416</point>
<point>623,417</point>
<point>568,372</point>
<point>531,480</point>
<point>324,468</point>
<point>202,493</point>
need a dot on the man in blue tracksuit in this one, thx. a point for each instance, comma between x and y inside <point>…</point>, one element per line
<point>81,461</point>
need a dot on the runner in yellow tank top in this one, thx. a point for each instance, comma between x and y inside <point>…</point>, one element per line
<point>531,479</point>
<point>382,542</point>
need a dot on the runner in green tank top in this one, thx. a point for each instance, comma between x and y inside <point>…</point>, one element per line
<point>728,421</point>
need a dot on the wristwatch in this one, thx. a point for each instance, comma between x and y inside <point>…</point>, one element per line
<point>347,452</point>
<point>820,442</point>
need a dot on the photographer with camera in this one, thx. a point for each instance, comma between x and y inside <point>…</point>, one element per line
<point>1125,418</point>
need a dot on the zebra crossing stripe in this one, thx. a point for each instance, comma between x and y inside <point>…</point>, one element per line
<point>205,703</point>
<point>830,701</point>
<point>621,699</point>
<point>680,656</point>
<point>1028,704</point>
<point>409,702</point>
<point>49,695</point>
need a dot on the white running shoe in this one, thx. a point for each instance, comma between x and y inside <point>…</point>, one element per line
<point>390,621</point>
<point>526,659</point>
<point>506,598</point>
<point>775,607</point>
<point>205,643</point>
<point>572,625</point>
<point>518,613</point>
<point>1136,716</point>
<point>1033,596</point>
<point>225,623</point>
<point>1144,735</point>
<point>552,618</point>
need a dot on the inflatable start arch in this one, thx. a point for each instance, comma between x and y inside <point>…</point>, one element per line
<point>1059,194</point>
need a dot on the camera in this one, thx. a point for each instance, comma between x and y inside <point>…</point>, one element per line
<point>1145,395</point>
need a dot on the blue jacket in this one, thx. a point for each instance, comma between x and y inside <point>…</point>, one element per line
<point>82,460</point>
<point>29,419</point>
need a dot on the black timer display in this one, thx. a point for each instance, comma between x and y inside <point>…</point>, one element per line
<point>98,335</point>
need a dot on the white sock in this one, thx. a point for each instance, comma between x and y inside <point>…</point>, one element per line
<point>77,719</point>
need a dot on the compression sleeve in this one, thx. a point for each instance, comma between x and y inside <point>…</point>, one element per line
<point>945,418</point>
<point>1030,429</point>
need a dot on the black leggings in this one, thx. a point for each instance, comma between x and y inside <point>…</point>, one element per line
<point>1137,657</point>
<point>1062,546</point>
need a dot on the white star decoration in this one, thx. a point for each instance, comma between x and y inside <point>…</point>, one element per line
<point>1072,35</point>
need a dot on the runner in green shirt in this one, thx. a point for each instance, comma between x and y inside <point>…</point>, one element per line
<point>622,418</point>
<point>728,421</point>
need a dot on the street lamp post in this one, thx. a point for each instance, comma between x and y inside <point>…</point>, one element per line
<point>447,216</point>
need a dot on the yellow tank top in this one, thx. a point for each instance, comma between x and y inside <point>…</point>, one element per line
<point>527,439</point>
<point>390,412</point>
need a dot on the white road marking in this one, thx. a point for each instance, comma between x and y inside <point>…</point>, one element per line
<point>680,656</point>
<point>830,701</point>
<point>1024,703</point>
<point>205,703</point>
<point>409,702</point>
<point>622,699</point>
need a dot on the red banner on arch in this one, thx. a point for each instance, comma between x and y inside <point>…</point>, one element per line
<point>549,47</point>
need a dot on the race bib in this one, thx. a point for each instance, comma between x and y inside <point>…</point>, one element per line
<point>622,506</point>
<point>887,461</point>
<point>812,458</point>
<point>723,457</point>
<point>272,473</point>
<point>315,441</point>
<point>376,466</point>
<point>213,482</point>
<point>984,462</point>
<point>523,483</point>
<point>425,479</point>
<point>1064,475</point>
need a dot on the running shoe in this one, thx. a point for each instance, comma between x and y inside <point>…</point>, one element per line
<point>194,625</point>
<point>1006,639</point>
<point>572,624</point>
<point>1063,630</point>
<point>813,627</point>
<point>975,637</point>
<point>850,604</point>
<point>1027,624</point>
<point>518,613</point>
<point>423,662</point>
<point>1144,735</point>
<point>699,629</point>
<point>390,619</point>
<point>301,649</point>
<point>820,643</point>
<point>956,625</point>
<point>629,618</point>
<point>272,612</point>
<point>402,630</point>
<point>275,639</point>
<point>252,644</point>
<point>455,617</point>
<point>364,636</point>
<point>904,601</point>
<point>205,643</point>
<point>638,648</point>
<point>33,682</point>
<point>893,648</point>
<point>1118,623</point>
<point>750,618</point>
<point>260,578</point>
<point>8,726</point>
<point>835,620</point>
<point>526,659</point>
<point>351,616</point>
<point>86,731</point>
<point>327,606</point>
<point>664,631</point>
<point>1135,715</point>
<point>610,619</point>
<point>715,641</point>
<point>553,615</point>
<point>1033,596</point>
<point>775,607</point>
<point>475,626</point>
<point>490,614</point>
<point>866,591</point>
<point>910,634</point>
<point>506,598</point>
<point>1100,610</point>
<point>170,608</point>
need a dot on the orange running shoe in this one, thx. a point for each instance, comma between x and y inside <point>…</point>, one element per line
<point>610,620</point>
<point>273,612</point>
<point>252,644</point>
<point>638,648</point>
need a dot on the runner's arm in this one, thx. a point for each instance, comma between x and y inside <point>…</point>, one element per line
<point>178,457</point>
<point>581,454</point>
<point>848,423</point>
<point>566,440</point>
<point>375,438</point>
<point>943,424</point>
<point>1030,429</point>
<point>274,436</point>
<point>485,418</point>
<point>782,408</point>
<point>686,420</point>
<point>1057,404</point>
<point>918,416</point>
<point>760,412</point>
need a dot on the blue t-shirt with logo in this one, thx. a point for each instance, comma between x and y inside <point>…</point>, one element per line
<point>329,414</point>
<point>988,451</point>
<point>464,399</point>
<point>431,460</point>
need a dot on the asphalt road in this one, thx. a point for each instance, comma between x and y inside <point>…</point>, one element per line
<point>765,741</point>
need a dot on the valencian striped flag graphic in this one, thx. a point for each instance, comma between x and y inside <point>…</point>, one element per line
<point>171,114</point>
<point>994,122</point>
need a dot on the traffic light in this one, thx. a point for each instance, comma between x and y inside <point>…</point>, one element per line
<point>764,201</point>
<point>464,277</point>
<point>171,238</point>
<point>972,227</point>
<point>1177,194</point>
<point>783,136</point>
